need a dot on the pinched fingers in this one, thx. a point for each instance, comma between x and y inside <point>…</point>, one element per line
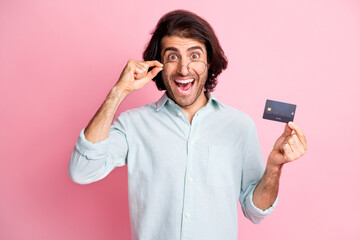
<point>154,63</point>
<point>139,83</point>
<point>150,75</point>
<point>287,151</point>
<point>293,148</point>
<point>142,69</point>
<point>136,74</point>
<point>300,134</point>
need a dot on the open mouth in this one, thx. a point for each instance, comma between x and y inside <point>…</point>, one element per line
<point>184,86</point>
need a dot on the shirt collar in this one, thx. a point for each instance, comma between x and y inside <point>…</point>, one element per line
<point>164,98</point>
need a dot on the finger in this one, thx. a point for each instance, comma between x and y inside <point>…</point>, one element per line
<point>286,141</point>
<point>143,67</point>
<point>140,70</point>
<point>297,145</point>
<point>145,80</point>
<point>297,148</point>
<point>290,152</point>
<point>287,131</point>
<point>150,75</point>
<point>154,63</point>
<point>293,145</point>
<point>140,75</point>
<point>299,132</point>
<point>287,151</point>
<point>135,69</point>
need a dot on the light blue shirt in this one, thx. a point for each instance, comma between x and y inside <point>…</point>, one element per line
<point>184,180</point>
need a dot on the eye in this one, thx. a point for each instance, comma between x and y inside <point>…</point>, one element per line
<point>194,56</point>
<point>172,57</point>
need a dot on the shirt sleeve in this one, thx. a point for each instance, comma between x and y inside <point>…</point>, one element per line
<point>91,162</point>
<point>252,172</point>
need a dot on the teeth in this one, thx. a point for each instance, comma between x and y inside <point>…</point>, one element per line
<point>184,81</point>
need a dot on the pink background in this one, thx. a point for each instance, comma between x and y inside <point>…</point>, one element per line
<point>59,59</point>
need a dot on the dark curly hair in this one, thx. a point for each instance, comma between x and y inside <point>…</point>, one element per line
<point>186,24</point>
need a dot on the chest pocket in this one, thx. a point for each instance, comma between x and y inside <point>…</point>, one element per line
<point>223,168</point>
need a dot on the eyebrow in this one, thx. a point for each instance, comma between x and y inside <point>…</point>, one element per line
<point>189,49</point>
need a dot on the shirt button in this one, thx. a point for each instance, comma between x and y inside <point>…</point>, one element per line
<point>192,143</point>
<point>187,215</point>
<point>170,102</point>
<point>179,114</point>
<point>190,179</point>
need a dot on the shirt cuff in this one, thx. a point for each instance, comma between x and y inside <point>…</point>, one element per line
<point>92,151</point>
<point>257,213</point>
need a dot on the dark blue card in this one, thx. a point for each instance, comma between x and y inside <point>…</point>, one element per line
<point>279,111</point>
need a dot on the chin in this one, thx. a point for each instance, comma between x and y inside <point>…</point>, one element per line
<point>184,100</point>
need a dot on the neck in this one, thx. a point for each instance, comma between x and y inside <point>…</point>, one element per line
<point>196,106</point>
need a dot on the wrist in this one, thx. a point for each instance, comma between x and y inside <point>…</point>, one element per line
<point>123,87</point>
<point>118,92</point>
<point>115,98</point>
<point>273,168</point>
<point>274,162</point>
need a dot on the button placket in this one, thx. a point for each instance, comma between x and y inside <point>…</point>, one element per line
<point>189,187</point>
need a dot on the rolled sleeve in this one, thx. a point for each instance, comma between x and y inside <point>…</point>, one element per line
<point>255,214</point>
<point>91,162</point>
<point>92,150</point>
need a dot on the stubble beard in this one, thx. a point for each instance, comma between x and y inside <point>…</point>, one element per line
<point>171,94</point>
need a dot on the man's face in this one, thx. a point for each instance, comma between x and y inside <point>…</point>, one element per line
<point>184,83</point>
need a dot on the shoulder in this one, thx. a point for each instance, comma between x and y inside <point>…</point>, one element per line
<point>232,123</point>
<point>236,117</point>
<point>136,113</point>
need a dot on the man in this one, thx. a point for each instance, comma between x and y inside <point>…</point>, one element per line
<point>190,158</point>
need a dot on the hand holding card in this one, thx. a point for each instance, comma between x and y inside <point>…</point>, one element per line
<point>289,146</point>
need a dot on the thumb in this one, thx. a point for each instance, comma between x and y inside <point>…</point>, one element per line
<point>145,80</point>
<point>150,75</point>
<point>287,131</point>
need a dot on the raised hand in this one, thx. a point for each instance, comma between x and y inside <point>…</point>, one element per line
<point>136,74</point>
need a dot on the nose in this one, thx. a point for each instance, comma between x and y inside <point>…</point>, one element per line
<point>184,70</point>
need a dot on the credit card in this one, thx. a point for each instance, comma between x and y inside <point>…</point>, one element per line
<point>279,111</point>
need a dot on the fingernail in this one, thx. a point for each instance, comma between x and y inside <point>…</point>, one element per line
<point>291,124</point>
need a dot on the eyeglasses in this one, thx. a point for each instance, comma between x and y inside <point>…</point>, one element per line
<point>194,67</point>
